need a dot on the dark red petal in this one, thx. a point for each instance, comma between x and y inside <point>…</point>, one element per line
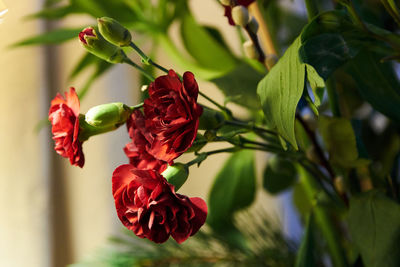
<point>121,177</point>
<point>190,85</point>
<point>200,210</point>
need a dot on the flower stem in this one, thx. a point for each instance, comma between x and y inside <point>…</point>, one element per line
<point>132,108</point>
<point>254,38</point>
<point>323,220</point>
<point>146,59</point>
<point>250,127</point>
<point>222,108</point>
<point>264,30</point>
<point>136,66</point>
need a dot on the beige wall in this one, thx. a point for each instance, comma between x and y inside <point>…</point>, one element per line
<point>52,213</point>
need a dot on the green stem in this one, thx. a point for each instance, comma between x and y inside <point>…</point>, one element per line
<point>222,108</point>
<point>250,127</point>
<point>332,97</point>
<point>323,221</point>
<point>202,156</point>
<point>264,145</point>
<point>146,59</point>
<point>136,106</point>
<point>312,9</point>
<point>136,66</point>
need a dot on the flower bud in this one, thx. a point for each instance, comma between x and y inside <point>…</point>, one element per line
<point>114,32</point>
<point>112,114</point>
<point>240,15</point>
<point>250,50</point>
<point>226,2</point>
<point>176,175</point>
<point>253,25</point>
<point>210,119</point>
<point>98,46</point>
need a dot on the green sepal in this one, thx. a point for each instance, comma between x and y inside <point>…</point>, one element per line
<point>105,115</point>
<point>176,174</point>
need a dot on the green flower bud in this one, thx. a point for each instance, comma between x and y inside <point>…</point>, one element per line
<point>240,15</point>
<point>114,32</point>
<point>98,46</point>
<point>176,174</point>
<point>250,50</point>
<point>112,114</point>
<point>210,119</point>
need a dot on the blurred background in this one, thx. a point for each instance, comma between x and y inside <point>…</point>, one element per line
<point>54,214</point>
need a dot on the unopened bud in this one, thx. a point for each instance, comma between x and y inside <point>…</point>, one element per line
<point>226,2</point>
<point>176,175</point>
<point>114,32</point>
<point>112,114</point>
<point>98,46</point>
<point>253,25</point>
<point>271,60</point>
<point>250,50</point>
<point>240,15</point>
<point>210,119</point>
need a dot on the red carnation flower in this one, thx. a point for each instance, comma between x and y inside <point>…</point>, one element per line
<point>148,205</point>
<point>64,118</point>
<point>136,151</point>
<point>228,9</point>
<point>172,115</point>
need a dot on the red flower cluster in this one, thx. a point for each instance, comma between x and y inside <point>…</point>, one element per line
<point>228,9</point>
<point>170,122</point>
<point>149,206</point>
<point>141,142</point>
<point>64,118</point>
<point>146,203</point>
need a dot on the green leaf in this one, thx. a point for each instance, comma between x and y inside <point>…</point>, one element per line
<point>54,13</point>
<point>101,67</point>
<point>239,86</point>
<point>207,51</point>
<point>377,84</point>
<point>374,224</point>
<point>52,37</point>
<point>279,175</point>
<point>305,255</point>
<point>300,199</point>
<point>87,60</point>
<point>327,52</point>
<point>177,57</point>
<point>281,89</point>
<point>340,141</point>
<point>230,131</point>
<point>233,189</point>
